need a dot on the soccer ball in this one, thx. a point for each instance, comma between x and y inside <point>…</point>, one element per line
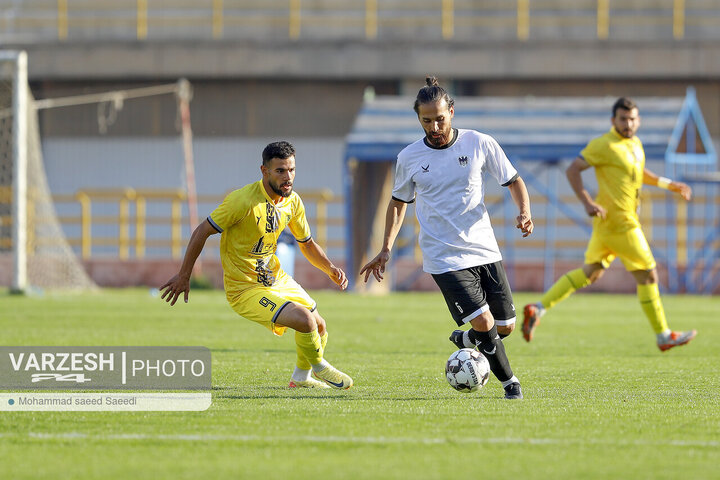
<point>467,370</point>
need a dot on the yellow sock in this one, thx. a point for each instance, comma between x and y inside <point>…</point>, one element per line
<point>309,345</point>
<point>565,285</point>
<point>649,296</point>
<point>302,362</point>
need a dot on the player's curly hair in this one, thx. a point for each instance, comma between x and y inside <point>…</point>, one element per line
<point>432,92</point>
<point>623,103</point>
<point>281,150</point>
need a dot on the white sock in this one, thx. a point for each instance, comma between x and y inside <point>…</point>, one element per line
<point>541,309</point>
<point>320,366</point>
<point>300,375</point>
<point>466,340</point>
<point>511,381</point>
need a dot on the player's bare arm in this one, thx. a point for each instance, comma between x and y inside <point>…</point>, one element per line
<point>682,189</point>
<point>318,259</point>
<point>520,196</point>
<point>574,176</point>
<point>393,221</point>
<point>180,283</point>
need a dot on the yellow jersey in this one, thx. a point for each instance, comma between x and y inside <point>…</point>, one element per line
<point>619,164</point>
<point>250,223</point>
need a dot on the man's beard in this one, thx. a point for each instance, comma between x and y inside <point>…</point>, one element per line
<point>276,189</point>
<point>439,141</point>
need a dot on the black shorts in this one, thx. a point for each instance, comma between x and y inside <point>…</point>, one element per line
<point>473,291</point>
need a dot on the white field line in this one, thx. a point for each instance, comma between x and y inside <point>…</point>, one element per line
<point>356,440</point>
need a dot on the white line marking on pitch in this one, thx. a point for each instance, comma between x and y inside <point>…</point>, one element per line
<point>353,440</point>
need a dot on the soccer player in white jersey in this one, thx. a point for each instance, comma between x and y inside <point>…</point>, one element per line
<point>250,220</point>
<point>444,172</point>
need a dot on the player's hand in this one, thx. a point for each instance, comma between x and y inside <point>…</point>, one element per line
<point>339,277</point>
<point>174,287</point>
<point>525,224</point>
<point>376,266</point>
<point>595,210</point>
<point>683,189</point>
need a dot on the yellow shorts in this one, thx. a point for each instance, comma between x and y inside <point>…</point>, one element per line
<point>263,304</point>
<point>631,246</point>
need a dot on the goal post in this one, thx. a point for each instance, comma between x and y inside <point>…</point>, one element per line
<point>32,244</point>
<point>34,251</point>
<point>13,163</point>
<point>19,176</point>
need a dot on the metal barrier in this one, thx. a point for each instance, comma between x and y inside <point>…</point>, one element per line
<point>343,19</point>
<point>548,244</point>
<point>132,205</point>
<point>132,221</point>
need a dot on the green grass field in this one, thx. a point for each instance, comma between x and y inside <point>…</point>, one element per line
<point>600,400</point>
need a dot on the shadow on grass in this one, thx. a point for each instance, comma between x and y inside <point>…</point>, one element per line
<point>361,394</point>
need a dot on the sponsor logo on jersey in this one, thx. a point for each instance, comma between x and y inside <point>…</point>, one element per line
<point>272,218</point>
<point>264,275</point>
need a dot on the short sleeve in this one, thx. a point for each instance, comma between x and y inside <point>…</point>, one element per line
<point>593,153</point>
<point>229,212</point>
<point>404,189</point>
<point>497,163</point>
<point>298,223</point>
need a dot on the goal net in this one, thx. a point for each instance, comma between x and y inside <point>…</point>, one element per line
<point>34,251</point>
<point>33,247</point>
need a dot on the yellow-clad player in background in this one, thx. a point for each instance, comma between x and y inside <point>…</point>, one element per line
<point>250,220</point>
<point>619,161</point>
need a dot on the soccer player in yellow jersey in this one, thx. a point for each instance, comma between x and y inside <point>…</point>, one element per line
<point>619,162</point>
<point>250,220</point>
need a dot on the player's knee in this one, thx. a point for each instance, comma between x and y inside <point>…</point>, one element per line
<point>483,322</point>
<point>505,330</point>
<point>643,277</point>
<point>593,272</point>
<point>303,321</point>
<point>652,276</point>
<point>596,275</point>
<point>321,326</point>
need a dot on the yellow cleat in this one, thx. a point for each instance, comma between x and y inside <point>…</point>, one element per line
<point>334,377</point>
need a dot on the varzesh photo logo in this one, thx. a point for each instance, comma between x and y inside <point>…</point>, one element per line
<point>182,368</point>
<point>37,373</point>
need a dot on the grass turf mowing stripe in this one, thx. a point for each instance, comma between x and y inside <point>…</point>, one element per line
<point>356,440</point>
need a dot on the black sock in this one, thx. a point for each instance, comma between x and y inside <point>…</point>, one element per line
<point>492,347</point>
<point>476,340</point>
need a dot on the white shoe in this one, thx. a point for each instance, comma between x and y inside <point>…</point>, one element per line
<point>676,339</point>
<point>309,383</point>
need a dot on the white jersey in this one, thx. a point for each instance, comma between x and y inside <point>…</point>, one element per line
<point>447,182</point>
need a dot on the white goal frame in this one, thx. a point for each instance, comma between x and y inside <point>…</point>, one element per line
<point>17,63</point>
<point>19,78</point>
